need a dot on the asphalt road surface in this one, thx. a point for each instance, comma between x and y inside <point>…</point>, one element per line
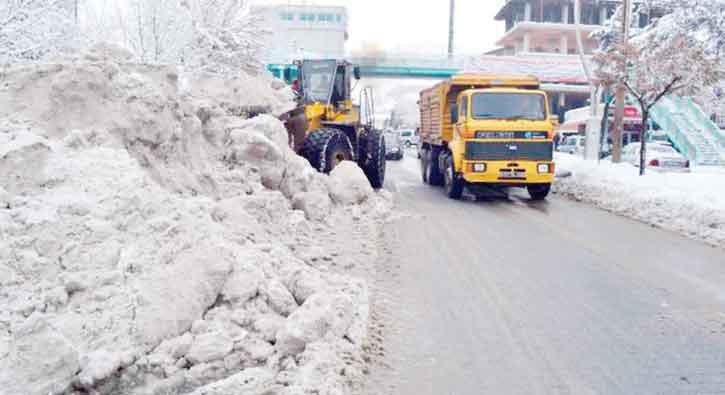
<point>510,296</point>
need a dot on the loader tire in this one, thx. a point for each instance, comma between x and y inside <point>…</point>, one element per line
<point>372,157</point>
<point>326,148</point>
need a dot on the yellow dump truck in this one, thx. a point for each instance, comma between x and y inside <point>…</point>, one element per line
<point>484,132</point>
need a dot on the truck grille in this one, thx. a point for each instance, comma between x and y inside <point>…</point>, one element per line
<point>542,151</point>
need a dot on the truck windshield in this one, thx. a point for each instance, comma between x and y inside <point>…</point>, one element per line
<point>318,78</point>
<point>530,106</point>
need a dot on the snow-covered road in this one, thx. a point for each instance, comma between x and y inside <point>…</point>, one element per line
<point>515,297</point>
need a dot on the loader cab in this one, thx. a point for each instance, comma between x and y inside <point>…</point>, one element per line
<point>327,82</point>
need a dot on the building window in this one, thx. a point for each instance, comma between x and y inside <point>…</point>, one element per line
<point>307,17</point>
<point>552,13</point>
<point>324,17</point>
<point>590,15</point>
<point>643,20</point>
<point>287,16</point>
<point>339,18</point>
<point>330,18</point>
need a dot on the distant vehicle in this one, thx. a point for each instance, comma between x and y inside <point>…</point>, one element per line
<point>660,156</point>
<point>572,145</point>
<point>393,145</point>
<point>409,137</point>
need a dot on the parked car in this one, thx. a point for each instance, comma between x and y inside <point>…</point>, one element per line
<point>572,145</point>
<point>660,156</point>
<point>409,137</point>
<point>393,145</point>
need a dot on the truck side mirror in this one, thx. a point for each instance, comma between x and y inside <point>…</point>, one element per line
<point>454,113</point>
<point>287,75</point>
<point>356,72</point>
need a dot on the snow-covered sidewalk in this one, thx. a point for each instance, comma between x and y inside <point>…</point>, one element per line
<point>689,203</point>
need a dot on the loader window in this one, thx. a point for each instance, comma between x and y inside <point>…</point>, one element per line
<point>529,106</point>
<point>318,80</point>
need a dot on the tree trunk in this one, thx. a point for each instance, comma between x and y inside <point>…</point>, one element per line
<point>643,140</point>
<point>617,129</point>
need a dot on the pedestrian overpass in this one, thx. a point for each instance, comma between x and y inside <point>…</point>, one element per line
<point>395,67</point>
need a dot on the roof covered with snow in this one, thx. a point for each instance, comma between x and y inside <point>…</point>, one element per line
<point>549,68</point>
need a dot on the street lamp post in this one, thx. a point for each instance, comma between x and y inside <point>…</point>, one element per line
<point>451,28</point>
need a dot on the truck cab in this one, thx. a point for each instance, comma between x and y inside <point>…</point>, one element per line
<point>495,132</point>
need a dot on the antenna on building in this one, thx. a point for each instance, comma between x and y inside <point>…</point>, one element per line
<point>451,29</point>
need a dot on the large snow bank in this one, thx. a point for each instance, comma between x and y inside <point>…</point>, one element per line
<point>151,242</point>
<point>689,203</point>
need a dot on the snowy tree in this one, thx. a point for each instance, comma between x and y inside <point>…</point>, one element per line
<point>157,31</point>
<point>671,55</point>
<point>32,30</point>
<point>227,36</point>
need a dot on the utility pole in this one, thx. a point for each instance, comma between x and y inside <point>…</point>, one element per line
<point>451,28</point>
<point>593,128</point>
<point>618,129</point>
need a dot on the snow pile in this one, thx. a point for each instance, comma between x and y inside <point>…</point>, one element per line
<point>689,203</point>
<point>152,240</point>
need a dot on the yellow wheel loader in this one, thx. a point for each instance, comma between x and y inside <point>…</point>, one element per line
<point>327,128</point>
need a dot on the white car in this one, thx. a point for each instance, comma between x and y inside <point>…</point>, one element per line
<point>660,156</point>
<point>572,145</point>
<point>408,137</point>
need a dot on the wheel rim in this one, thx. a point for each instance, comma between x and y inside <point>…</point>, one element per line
<point>337,158</point>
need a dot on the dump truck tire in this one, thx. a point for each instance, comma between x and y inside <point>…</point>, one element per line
<point>372,157</point>
<point>326,148</point>
<point>434,173</point>
<point>423,156</point>
<point>539,192</point>
<point>453,183</point>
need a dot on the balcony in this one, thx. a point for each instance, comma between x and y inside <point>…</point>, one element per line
<point>553,11</point>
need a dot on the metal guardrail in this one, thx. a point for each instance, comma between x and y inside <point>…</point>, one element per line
<point>664,118</point>
<point>676,115</point>
<point>709,124</point>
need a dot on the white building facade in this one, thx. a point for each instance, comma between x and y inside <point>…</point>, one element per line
<point>303,31</point>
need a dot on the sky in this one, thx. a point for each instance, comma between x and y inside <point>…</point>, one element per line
<point>417,26</point>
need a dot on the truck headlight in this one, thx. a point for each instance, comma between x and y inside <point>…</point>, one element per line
<point>479,167</point>
<point>544,168</point>
<point>395,149</point>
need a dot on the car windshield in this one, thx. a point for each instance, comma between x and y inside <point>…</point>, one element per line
<point>318,76</point>
<point>530,106</point>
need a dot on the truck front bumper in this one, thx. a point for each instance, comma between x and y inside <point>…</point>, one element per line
<point>509,173</point>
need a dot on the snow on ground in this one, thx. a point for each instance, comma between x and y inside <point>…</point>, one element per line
<point>689,203</point>
<point>152,241</point>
